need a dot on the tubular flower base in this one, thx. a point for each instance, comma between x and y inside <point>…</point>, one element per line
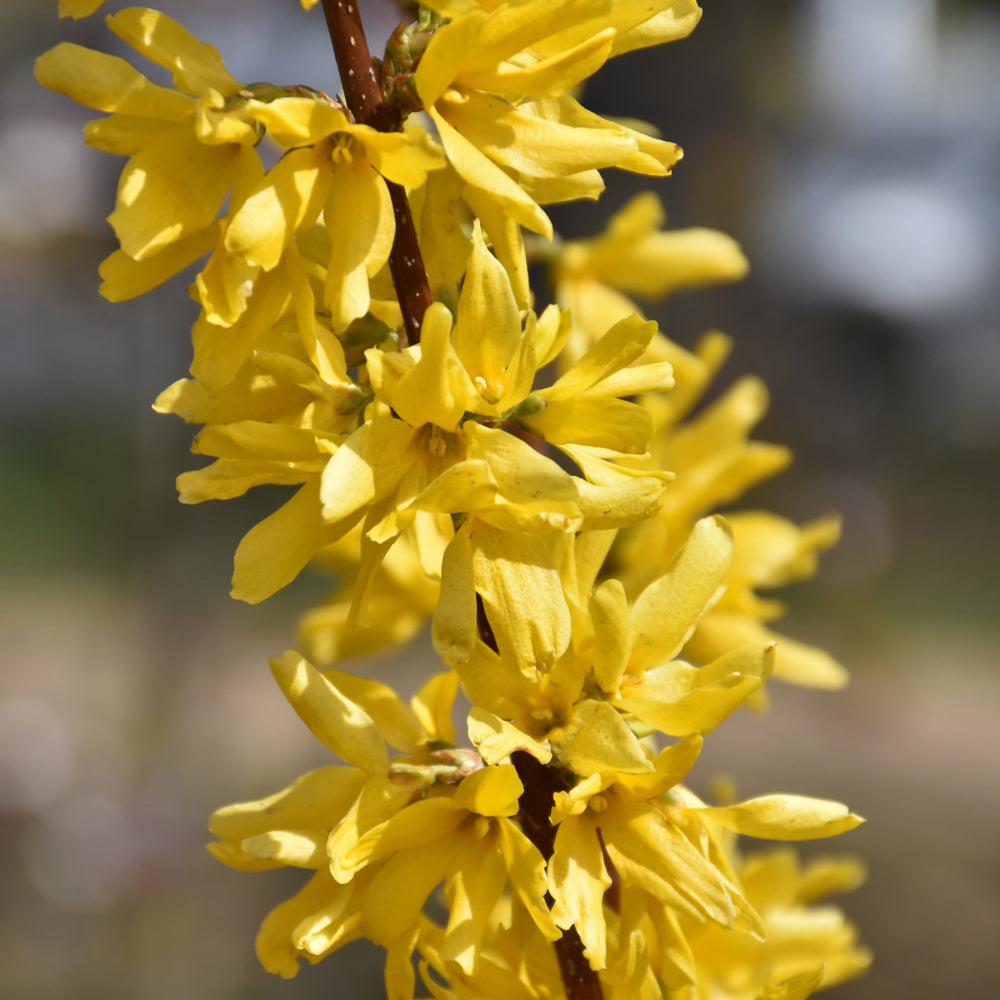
<point>541,486</point>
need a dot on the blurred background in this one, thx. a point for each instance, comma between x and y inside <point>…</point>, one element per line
<point>853,147</point>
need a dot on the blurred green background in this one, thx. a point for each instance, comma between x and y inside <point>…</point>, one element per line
<point>853,147</point>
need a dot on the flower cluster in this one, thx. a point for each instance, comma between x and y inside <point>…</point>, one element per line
<point>538,484</point>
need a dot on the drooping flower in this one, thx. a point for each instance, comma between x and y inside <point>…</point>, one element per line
<point>496,78</point>
<point>382,833</point>
<point>187,147</point>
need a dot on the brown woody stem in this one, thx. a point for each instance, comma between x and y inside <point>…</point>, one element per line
<point>364,98</point>
<point>540,786</point>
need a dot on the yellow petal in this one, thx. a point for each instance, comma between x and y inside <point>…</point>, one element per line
<point>432,705</point>
<point>275,550</point>
<point>444,245</point>
<point>677,21</point>
<point>597,739</point>
<point>78,8</point>
<point>436,390</point>
<point>360,221</point>
<point>298,121</point>
<point>399,890</point>
<point>671,764</point>
<point>496,739</point>
<point>620,346</point>
<point>550,77</point>
<point>609,612</point>
<point>342,726</point>
<point>794,662</point>
<point>651,853</point>
<point>297,848</point>
<point>125,278</point>
<point>108,83</point>
<point>405,158</point>
<point>316,800</point>
<point>522,596</point>
<point>195,66</point>
<point>784,817</point>
<point>276,944</point>
<point>453,629</point>
<point>507,239</point>
<point>678,700</point>
<point>666,612</point>
<point>521,473</point>
<point>599,422</point>
<point>526,868</point>
<point>491,791</point>
<point>419,823</point>
<point>287,200</point>
<point>369,465</point>
<point>479,172</point>
<point>519,140</point>
<point>172,188</point>
<point>472,894</point>
<point>219,352</point>
<point>488,325</point>
<point>396,723</point>
<point>445,55</point>
<point>577,879</point>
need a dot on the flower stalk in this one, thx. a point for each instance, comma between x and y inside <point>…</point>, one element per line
<point>541,784</point>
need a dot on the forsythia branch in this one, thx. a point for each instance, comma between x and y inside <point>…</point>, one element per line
<point>539,487</point>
